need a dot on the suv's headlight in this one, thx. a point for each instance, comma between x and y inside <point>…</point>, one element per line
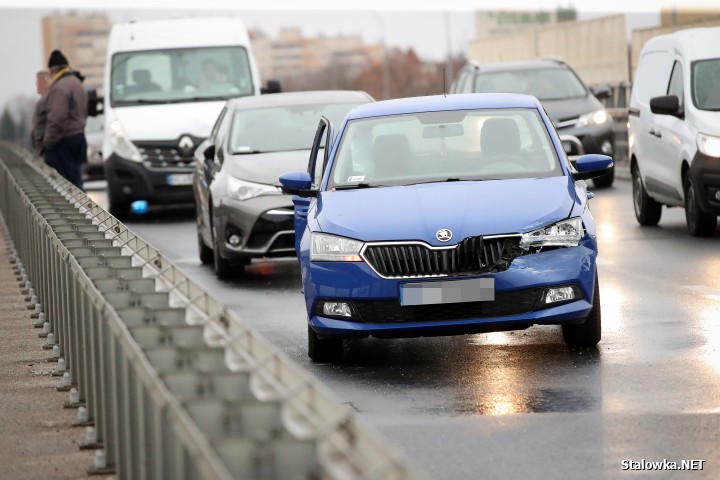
<point>566,233</point>
<point>121,144</point>
<point>242,190</point>
<point>330,248</point>
<point>598,117</point>
<point>708,145</point>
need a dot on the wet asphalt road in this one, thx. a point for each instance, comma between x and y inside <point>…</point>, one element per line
<point>520,404</point>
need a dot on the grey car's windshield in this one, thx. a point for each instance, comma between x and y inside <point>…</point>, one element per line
<point>543,83</point>
<point>706,84</point>
<point>444,146</point>
<point>280,128</point>
<point>180,75</point>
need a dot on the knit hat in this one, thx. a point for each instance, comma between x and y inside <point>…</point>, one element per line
<point>57,59</point>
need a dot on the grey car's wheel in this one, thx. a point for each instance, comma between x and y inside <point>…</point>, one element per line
<point>605,181</point>
<point>647,210</point>
<point>204,252</point>
<point>699,223</point>
<point>324,349</point>
<point>586,334</point>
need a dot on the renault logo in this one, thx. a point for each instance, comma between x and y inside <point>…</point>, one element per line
<point>443,235</point>
<point>186,145</point>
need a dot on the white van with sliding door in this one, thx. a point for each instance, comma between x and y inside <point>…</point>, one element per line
<point>674,128</point>
<point>165,84</point>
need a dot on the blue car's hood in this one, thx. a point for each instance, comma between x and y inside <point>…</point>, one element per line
<point>417,212</point>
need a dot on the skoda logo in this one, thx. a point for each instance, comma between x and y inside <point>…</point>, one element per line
<point>443,235</point>
<point>186,145</point>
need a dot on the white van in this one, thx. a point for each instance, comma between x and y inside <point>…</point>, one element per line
<point>674,128</point>
<point>165,83</point>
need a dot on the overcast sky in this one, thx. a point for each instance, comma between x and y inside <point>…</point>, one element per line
<point>424,27</point>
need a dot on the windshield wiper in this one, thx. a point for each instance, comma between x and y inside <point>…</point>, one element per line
<point>355,186</point>
<point>247,152</point>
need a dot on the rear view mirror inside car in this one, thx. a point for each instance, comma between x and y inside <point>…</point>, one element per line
<point>443,131</point>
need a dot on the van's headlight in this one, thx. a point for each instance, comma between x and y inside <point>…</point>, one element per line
<point>566,233</point>
<point>708,145</point>
<point>598,117</point>
<point>242,190</point>
<point>330,248</point>
<point>121,144</point>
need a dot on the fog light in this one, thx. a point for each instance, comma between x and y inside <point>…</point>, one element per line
<point>606,147</point>
<point>337,309</point>
<point>139,207</point>
<point>559,294</point>
<point>234,240</point>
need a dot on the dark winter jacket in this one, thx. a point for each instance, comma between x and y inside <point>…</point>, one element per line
<point>38,123</point>
<point>66,109</point>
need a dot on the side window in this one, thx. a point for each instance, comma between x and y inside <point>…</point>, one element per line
<point>675,87</point>
<point>653,73</point>
<point>469,84</point>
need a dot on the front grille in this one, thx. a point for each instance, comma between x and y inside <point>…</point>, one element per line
<point>471,256</point>
<point>267,226</point>
<point>390,311</point>
<point>159,156</point>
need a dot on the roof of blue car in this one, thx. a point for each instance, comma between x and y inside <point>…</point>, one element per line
<point>436,103</point>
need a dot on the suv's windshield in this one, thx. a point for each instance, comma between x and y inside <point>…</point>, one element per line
<point>180,75</point>
<point>289,127</point>
<point>706,84</point>
<point>444,146</point>
<point>545,84</point>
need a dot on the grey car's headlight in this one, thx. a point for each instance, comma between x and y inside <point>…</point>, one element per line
<point>598,117</point>
<point>121,144</point>
<point>566,233</point>
<point>331,248</point>
<point>708,145</point>
<point>243,190</point>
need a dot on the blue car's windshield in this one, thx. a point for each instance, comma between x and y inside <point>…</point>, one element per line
<point>442,146</point>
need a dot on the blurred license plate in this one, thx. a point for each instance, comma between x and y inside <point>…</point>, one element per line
<point>177,179</point>
<point>452,291</point>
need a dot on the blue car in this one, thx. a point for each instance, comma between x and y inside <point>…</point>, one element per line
<point>442,216</point>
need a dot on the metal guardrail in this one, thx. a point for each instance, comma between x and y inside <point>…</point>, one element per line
<point>174,383</point>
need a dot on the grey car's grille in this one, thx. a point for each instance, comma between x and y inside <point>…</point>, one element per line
<point>162,156</point>
<point>471,256</point>
<point>566,122</point>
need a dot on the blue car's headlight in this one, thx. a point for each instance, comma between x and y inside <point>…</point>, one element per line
<point>330,248</point>
<point>566,233</point>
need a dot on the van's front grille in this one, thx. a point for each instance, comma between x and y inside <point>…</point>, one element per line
<point>471,256</point>
<point>163,154</point>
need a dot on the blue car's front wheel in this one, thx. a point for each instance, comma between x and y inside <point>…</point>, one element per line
<point>586,334</point>
<point>324,349</point>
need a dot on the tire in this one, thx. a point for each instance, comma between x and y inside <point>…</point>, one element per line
<point>324,350</point>
<point>223,269</point>
<point>647,210</point>
<point>699,223</point>
<point>605,181</point>
<point>586,334</point>
<point>204,252</point>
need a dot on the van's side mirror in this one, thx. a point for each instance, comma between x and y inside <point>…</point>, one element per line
<point>94,103</point>
<point>209,152</point>
<point>666,105</point>
<point>273,86</point>
<point>601,92</point>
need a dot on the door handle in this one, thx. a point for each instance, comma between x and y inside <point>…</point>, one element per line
<point>655,133</point>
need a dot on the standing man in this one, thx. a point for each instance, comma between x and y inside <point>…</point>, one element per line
<point>66,111</point>
<point>42,82</point>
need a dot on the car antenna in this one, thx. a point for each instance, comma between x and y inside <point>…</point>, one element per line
<point>444,87</point>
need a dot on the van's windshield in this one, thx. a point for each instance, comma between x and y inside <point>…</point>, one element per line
<point>706,84</point>
<point>180,75</point>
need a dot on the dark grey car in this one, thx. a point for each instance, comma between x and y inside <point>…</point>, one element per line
<point>241,212</point>
<point>580,119</point>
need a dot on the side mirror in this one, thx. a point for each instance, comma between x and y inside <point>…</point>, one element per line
<point>666,105</point>
<point>95,103</point>
<point>297,183</point>
<point>592,166</point>
<point>601,92</point>
<point>209,152</point>
<point>273,86</point>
